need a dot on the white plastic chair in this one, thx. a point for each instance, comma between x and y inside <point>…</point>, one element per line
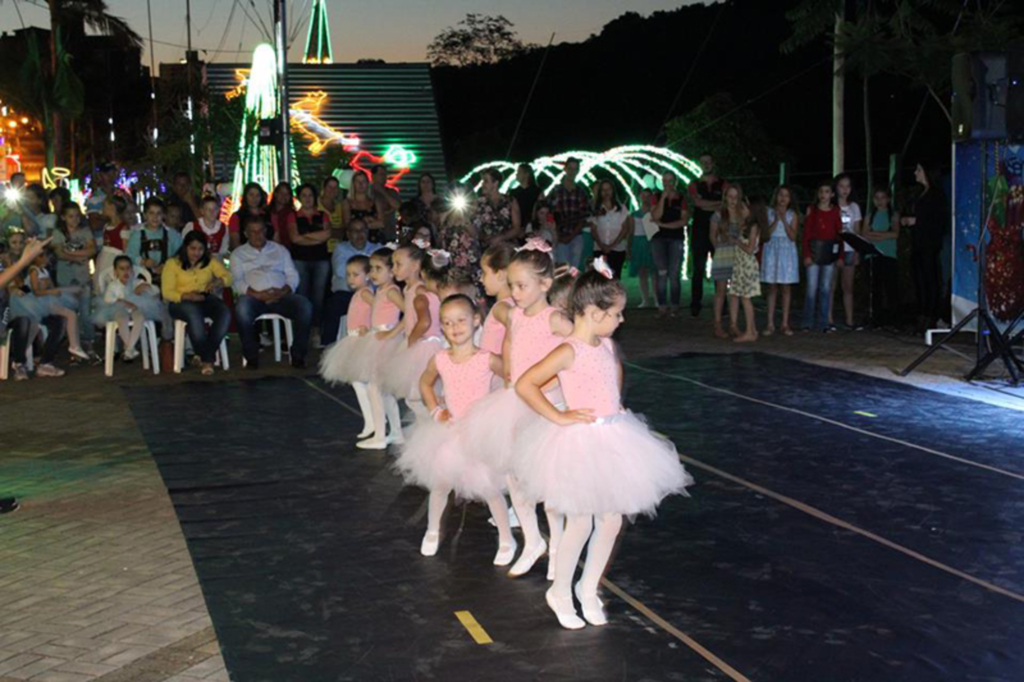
<point>148,343</point>
<point>5,357</point>
<point>5,352</point>
<point>275,321</point>
<point>180,339</point>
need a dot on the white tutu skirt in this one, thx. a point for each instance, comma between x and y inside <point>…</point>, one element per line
<point>349,360</point>
<point>617,466</point>
<point>400,375</point>
<point>433,458</point>
<point>491,429</point>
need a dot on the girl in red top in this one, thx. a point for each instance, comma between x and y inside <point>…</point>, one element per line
<point>115,234</point>
<point>821,248</point>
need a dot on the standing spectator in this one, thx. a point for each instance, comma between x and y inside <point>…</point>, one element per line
<point>745,283</point>
<point>154,243</point>
<point>337,305</point>
<point>36,219</point>
<point>265,281</point>
<point>429,206</point>
<point>458,237</point>
<point>387,197</point>
<point>671,214</point>
<point>189,284</point>
<point>115,229</point>
<point>74,247</point>
<point>308,238</point>
<point>883,228</point>
<point>726,224</point>
<point>253,205</point>
<point>780,263</point>
<point>526,194</point>
<point>820,250</point>
<point>570,204</point>
<point>706,198</point>
<point>641,263</point>
<point>331,204</point>
<point>282,213</point>
<point>849,259</point>
<point>929,224</point>
<point>183,198</point>
<point>359,205</point>
<point>612,227</point>
<point>493,216</point>
<point>59,196</point>
<point>543,224</point>
<point>103,186</point>
<point>213,229</point>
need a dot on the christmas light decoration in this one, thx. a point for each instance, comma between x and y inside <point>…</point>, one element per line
<point>305,119</point>
<point>396,157</point>
<point>318,38</point>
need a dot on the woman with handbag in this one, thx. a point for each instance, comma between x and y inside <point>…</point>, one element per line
<point>820,251</point>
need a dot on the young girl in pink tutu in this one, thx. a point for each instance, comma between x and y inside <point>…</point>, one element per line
<point>421,326</point>
<point>534,330</point>
<point>378,348</point>
<point>435,456</point>
<point>340,363</point>
<point>593,461</point>
<point>494,266</point>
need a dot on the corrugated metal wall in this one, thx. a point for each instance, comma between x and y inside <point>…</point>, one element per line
<point>384,104</point>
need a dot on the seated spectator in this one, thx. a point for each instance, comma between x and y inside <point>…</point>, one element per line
<point>265,282</point>
<point>130,301</point>
<point>39,298</point>
<point>358,244</point>
<point>189,282</point>
<point>21,329</point>
<point>209,224</point>
<point>154,243</point>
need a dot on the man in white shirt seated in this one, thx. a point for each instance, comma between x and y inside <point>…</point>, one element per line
<point>265,280</point>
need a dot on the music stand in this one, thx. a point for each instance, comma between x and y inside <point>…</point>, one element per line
<point>868,251</point>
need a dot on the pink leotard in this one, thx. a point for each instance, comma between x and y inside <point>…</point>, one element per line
<point>493,334</point>
<point>464,383</point>
<point>433,304</point>
<point>593,380</point>
<point>532,339</point>
<point>384,313</point>
<point>358,312</point>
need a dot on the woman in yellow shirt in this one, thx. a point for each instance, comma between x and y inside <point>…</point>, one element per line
<point>189,282</point>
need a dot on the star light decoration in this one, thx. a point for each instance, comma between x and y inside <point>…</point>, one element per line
<point>630,167</point>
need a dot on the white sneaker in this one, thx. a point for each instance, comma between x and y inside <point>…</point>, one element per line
<point>48,370</point>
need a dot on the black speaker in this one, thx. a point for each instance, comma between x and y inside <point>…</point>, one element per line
<point>1015,93</point>
<point>979,95</point>
<point>270,131</point>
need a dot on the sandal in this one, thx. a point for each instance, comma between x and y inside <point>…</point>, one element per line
<point>787,331</point>
<point>207,370</point>
<point>769,331</point>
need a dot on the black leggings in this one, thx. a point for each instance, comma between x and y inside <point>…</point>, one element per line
<point>885,291</point>
<point>928,282</point>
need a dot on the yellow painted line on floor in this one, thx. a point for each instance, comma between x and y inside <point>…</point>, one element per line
<point>475,630</point>
<point>693,644</point>
<point>865,414</point>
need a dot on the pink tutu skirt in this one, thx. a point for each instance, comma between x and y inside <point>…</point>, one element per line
<point>349,360</point>
<point>493,426</point>
<point>401,375</point>
<point>383,355</point>
<point>433,458</point>
<point>616,466</point>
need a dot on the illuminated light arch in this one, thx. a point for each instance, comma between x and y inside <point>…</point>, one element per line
<point>627,166</point>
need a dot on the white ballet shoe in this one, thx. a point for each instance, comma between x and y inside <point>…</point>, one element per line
<point>366,432</point>
<point>527,559</point>
<point>506,553</point>
<point>431,541</point>
<point>372,444</point>
<point>592,606</point>
<point>564,610</point>
<point>551,566</point>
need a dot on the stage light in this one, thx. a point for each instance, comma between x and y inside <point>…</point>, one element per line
<point>459,202</point>
<point>12,195</point>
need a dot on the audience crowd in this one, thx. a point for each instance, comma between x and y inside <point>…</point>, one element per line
<point>175,260</point>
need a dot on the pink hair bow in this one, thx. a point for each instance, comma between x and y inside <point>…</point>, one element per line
<point>422,243</point>
<point>535,244</point>
<point>439,257</point>
<point>601,265</point>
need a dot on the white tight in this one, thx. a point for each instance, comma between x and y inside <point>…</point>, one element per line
<point>601,531</point>
<point>363,398</point>
<point>129,334</point>
<point>438,501</point>
<point>526,510</point>
<point>384,409</point>
<point>556,524</point>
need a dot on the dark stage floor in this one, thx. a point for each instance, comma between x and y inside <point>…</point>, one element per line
<point>841,528</point>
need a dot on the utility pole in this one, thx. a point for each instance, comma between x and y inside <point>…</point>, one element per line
<point>188,75</point>
<point>281,44</point>
<point>152,76</point>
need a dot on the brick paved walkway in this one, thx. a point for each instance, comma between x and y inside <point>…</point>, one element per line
<point>96,582</point>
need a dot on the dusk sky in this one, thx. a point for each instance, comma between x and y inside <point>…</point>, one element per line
<point>394,30</point>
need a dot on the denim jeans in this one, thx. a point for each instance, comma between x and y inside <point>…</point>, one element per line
<point>571,253</point>
<point>204,343</point>
<point>668,264</point>
<point>819,293</point>
<point>313,276</point>
<point>294,307</point>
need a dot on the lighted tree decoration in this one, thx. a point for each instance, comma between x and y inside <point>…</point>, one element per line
<point>259,162</point>
<point>318,39</point>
